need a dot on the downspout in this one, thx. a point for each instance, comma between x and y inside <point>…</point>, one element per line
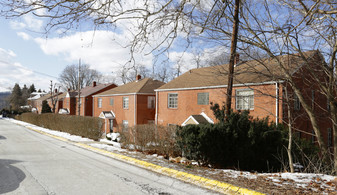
<point>277,102</point>
<point>135,109</point>
<point>156,116</point>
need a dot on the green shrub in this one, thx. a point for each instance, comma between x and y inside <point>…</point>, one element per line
<point>240,142</point>
<point>89,127</point>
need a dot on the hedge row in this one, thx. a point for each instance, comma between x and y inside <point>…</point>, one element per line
<point>241,142</point>
<point>89,127</point>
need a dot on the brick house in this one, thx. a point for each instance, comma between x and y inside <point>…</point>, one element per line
<point>259,86</point>
<point>127,105</point>
<point>59,104</point>
<point>86,99</point>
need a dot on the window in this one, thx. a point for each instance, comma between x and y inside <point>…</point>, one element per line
<point>99,102</point>
<point>313,136</point>
<point>244,99</point>
<point>126,102</point>
<point>111,101</point>
<point>125,125</point>
<point>297,103</point>
<point>151,102</point>
<point>172,100</point>
<point>329,137</point>
<point>203,98</point>
<point>328,104</point>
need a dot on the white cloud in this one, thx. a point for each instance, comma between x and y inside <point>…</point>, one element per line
<point>28,22</point>
<point>13,72</point>
<point>104,51</point>
<point>24,36</point>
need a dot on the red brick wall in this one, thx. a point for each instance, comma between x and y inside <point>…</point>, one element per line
<point>144,114</point>
<point>264,103</point>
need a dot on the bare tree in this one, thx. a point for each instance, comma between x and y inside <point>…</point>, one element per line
<point>54,92</point>
<point>271,27</point>
<point>70,75</point>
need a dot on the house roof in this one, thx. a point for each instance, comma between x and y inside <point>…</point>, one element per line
<point>48,96</point>
<point>146,85</point>
<point>89,90</point>
<point>253,71</point>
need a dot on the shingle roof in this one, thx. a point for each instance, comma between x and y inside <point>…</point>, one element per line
<point>146,85</point>
<point>254,71</point>
<point>89,90</point>
<point>48,96</point>
<point>200,119</point>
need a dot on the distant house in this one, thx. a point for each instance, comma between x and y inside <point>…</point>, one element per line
<point>86,100</point>
<point>57,97</point>
<point>127,105</point>
<point>260,86</point>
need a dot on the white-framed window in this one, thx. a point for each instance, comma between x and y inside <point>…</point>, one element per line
<point>111,101</point>
<point>126,102</point>
<point>329,137</point>
<point>203,98</point>
<point>172,100</point>
<point>99,102</point>
<point>244,99</point>
<point>297,103</point>
<point>125,125</point>
<point>151,102</point>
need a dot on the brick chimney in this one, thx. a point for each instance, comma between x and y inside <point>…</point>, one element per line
<point>138,77</point>
<point>55,90</point>
<point>94,84</point>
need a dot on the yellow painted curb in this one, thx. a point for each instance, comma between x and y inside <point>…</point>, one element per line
<point>211,184</point>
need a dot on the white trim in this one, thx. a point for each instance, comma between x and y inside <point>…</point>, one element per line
<point>156,115</point>
<point>219,86</point>
<point>122,94</point>
<point>207,118</point>
<point>277,103</point>
<point>135,109</point>
<point>190,117</point>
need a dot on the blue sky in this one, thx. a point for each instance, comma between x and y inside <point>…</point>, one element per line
<point>27,55</point>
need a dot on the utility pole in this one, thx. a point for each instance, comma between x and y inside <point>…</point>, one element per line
<point>79,89</point>
<point>232,57</point>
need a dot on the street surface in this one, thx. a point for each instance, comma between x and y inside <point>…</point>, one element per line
<point>31,163</point>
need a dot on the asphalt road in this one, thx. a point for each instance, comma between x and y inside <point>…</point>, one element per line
<point>31,163</point>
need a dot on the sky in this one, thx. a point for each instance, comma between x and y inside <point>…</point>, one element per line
<point>30,56</point>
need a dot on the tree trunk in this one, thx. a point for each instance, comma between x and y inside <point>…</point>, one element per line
<point>290,136</point>
<point>232,57</point>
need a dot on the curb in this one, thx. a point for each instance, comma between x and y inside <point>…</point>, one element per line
<point>211,184</point>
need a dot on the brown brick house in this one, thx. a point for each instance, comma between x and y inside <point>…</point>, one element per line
<point>59,104</point>
<point>259,86</point>
<point>127,105</point>
<point>86,98</point>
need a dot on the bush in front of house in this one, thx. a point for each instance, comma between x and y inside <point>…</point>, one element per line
<point>240,142</point>
<point>150,139</point>
<point>89,127</point>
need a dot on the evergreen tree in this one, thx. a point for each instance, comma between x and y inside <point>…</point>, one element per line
<point>31,89</point>
<point>16,97</point>
<point>25,94</point>
<point>45,107</point>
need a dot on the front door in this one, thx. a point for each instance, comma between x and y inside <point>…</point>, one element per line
<point>111,125</point>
